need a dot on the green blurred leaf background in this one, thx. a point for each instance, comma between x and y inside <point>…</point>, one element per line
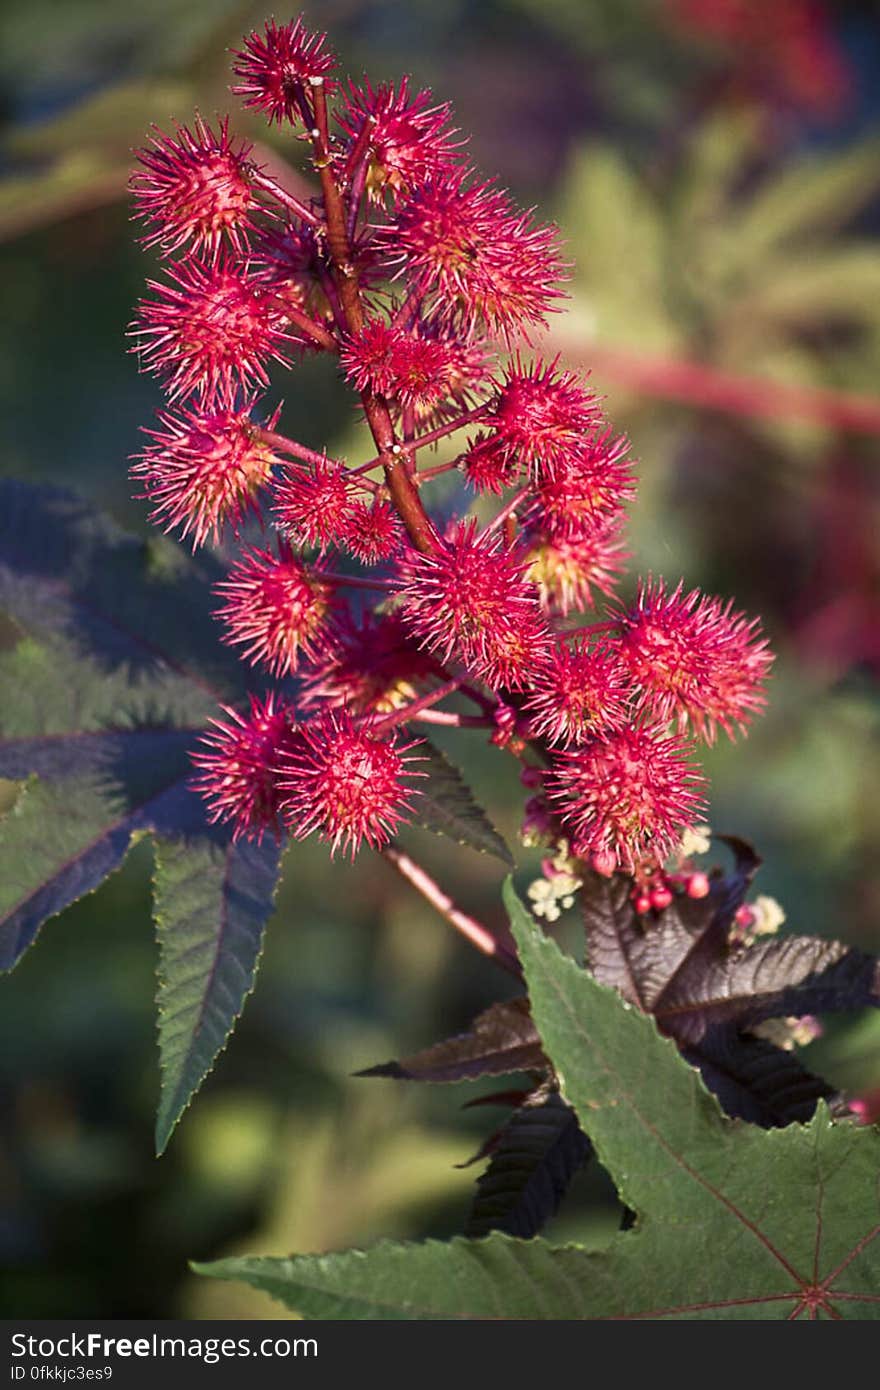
<point>711,222</point>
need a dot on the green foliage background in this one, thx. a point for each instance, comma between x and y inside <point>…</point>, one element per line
<point>693,235</point>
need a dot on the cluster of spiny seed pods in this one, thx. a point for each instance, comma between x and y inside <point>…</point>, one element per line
<point>421,282</point>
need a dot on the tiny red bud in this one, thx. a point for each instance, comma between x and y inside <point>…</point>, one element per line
<point>698,886</point>
<point>531,777</point>
<point>604,862</point>
<point>660,898</point>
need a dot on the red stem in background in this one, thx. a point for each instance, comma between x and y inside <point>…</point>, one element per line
<point>356,169</point>
<point>710,388</point>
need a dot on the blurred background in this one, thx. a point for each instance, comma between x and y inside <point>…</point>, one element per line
<point>715,167</point>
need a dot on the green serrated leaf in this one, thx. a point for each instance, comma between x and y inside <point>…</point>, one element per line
<point>109,674</point>
<point>446,805</point>
<point>498,1277</point>
<point>106,681</point>
<point>211,904</point>
<point>733,1222</point>
<point>780,1222</point>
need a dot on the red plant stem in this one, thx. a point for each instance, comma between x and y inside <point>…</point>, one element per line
<point>307,455</point>
<point>455,721</point>
<point>355,196</point>
<point>357,159</point>
<point>694,383</point>
<point>345,272</point>
<point>352,581</point>
<point>319,335</point>
<point>468,418</point>
<point>507,510</point>
<point>486,702</point>
<point>431,437</point>
<point>329,288</point>
<point>356,168</point>
<point>290,446</point>
<point>425,475</point>
<point>294,205</point>
<point>407,311</point>
<point>472,930</point>
<point>433,697</point>
<point>404,493</point>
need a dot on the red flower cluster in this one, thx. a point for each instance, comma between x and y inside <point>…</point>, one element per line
<point>415,274</point>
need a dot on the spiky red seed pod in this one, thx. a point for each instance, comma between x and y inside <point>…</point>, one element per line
<point>489,465</point>
<point>473,258</point>
<point>630,793</point>
<point>579,692</point>
<point>373,666</point>
<point>471,601</point>
<point>566,571</point>
<point>540,416</point>
<point>275,610</point>
<point>203,470</point>
<point>372,531</point>
<point>274,65</point>
<point>695,659</point>
<point>237,766</point>
<point>416,370</point>
<point>346,781</point>
<point>593,483</point>
<point>409,136</point>
<point>210,332</point>
<point>195,188</point>
<point>313,505</point>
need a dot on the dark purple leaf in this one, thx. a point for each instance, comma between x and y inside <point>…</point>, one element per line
<point>534,1158</point>
<point>756,1081</point>
<point>502,1040</point>
<point>775,978</point>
